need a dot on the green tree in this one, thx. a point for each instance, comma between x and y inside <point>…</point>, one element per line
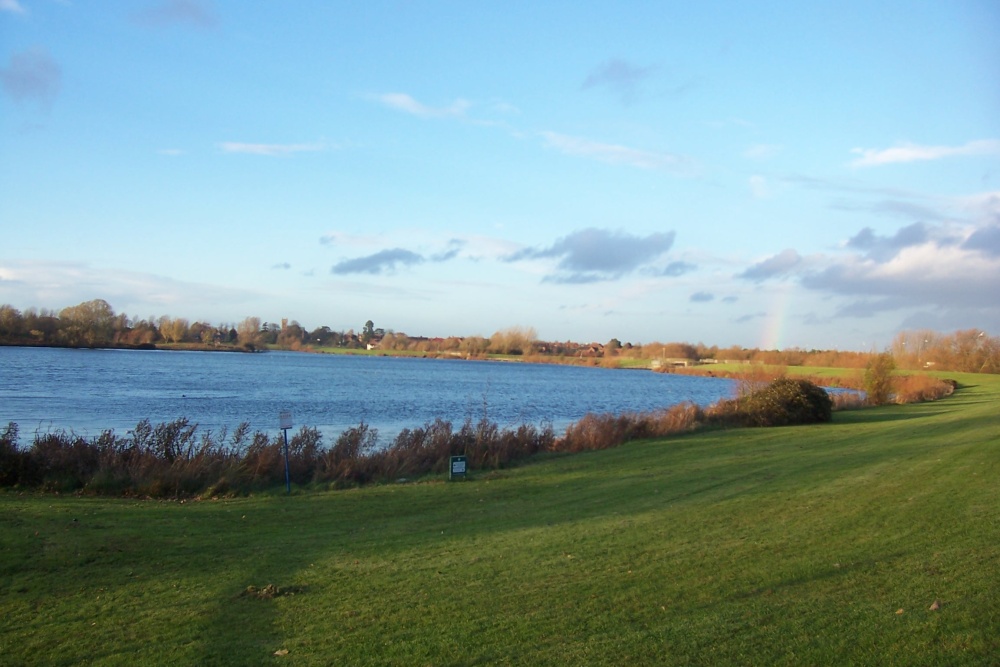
<point>879,379</point>
<point>368,333</point>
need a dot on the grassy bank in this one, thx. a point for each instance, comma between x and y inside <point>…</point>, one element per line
<point>824,544</point>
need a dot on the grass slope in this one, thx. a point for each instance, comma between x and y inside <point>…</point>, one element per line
<point>805,545</point>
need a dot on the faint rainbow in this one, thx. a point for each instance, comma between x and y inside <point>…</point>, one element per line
<point>776,319</point>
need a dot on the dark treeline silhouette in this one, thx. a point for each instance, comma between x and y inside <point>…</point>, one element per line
<point>95,324</point>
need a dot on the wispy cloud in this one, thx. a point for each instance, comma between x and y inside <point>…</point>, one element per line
<point>407,104</point>
<point>191,13</point>
<point>702,297</point>
<point>346,239</point>
<point>592,255</point>
<point>12,6</point>
<point>32,76</point>
<point>871,157</point>
<point>388,260</point>
<point>678,268</point>
<point>773,267</point>
<point>454,247</point>
<point>269,150</point>
<point>56,284</point>
<point>983,206</point>
<point>897,208</point>
<point>384,261</point>
<point>428,244</point>
<point>750,317</point>
<point>885,247</point>
<point>615,153</point>
<point>619,76</point>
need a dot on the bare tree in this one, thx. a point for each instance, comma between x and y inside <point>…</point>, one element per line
<point>248,332</point>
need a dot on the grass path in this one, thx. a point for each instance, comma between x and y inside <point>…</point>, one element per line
<point>805,545</point>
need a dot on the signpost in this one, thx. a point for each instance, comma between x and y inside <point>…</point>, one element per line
<point>458,467</point>
<point>285,420</point>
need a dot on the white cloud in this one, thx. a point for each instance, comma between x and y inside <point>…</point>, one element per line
<point>12,6</point>
<point>268,149</point>
<point>913,152</point>
<point>56,284</point>
<point>434,245</point>
<point>984,206</point>
<point>923,275</point>
<point>615,153</point>
<point>348,240</point>
<point>406,103</point>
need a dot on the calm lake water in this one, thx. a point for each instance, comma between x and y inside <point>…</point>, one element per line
<point>88,391</point>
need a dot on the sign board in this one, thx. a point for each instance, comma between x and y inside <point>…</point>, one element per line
<point>458,467</point>
<point>285,418</point>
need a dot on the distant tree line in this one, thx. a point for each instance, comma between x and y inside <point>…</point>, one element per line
<point>969,350</point>
<point>95,324</point>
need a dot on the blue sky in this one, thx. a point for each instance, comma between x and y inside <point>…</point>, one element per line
<point>819,175</point>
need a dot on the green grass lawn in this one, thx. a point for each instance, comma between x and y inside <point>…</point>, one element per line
<point>799,546</point>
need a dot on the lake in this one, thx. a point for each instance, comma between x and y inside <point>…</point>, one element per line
<point>88,391</point>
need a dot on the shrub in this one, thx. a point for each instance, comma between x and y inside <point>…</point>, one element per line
<point>755,377</point>
<point>920,388</point>
<point>607,430</point>
<point>783,402</point>
<point>12,460</point>
<point>63,461</point>
<point>847,400</point>
<point>348,460</point>
<point>878,378</point>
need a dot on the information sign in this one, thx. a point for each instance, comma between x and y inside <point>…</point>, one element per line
<point>458,467</point>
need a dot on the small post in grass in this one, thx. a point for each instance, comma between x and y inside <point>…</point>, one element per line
<point>458,467</point>
<point>285,420</point>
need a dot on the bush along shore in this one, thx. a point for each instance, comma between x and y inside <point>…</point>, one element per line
<point>175,460</point>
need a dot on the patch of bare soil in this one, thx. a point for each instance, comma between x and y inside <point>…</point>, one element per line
<point>271,591</point>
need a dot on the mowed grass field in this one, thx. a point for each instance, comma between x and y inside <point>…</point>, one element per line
<point>813,545</point>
